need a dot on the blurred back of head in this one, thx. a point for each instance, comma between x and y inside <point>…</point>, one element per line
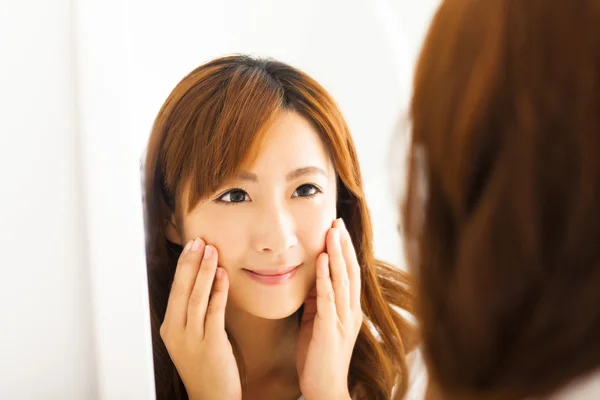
<point>502,214</point>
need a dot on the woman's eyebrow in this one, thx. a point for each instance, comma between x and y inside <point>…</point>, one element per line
<point>295,174</point>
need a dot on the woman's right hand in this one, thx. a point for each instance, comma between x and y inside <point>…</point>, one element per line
<point>194,326</point>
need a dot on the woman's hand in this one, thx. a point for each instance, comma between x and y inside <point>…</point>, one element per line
<point>194,326</point>
<point>331,321</point>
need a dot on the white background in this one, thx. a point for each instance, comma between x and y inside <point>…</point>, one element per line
<point>80,84</point>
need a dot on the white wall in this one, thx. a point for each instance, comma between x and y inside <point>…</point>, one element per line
<point>80,84</point>
<point>46,337</point>
<point>110,160</point>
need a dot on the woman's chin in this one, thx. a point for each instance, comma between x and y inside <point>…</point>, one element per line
<point>279,314</point>
<point>270,301</point>
<point>274,309</point>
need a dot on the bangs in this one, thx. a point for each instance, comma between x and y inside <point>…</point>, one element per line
<point>218,127</point>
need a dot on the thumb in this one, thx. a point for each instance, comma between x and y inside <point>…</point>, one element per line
<point>215,313</point>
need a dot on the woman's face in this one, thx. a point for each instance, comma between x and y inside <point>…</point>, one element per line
<point>271,219</point>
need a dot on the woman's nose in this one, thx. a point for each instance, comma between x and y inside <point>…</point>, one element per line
<point>275,232</point>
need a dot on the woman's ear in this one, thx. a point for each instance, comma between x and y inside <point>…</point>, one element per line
<point>171,232</point>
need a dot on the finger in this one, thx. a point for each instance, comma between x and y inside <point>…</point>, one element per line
<point>325,296</point>
<point>352,265</point>
<point>339,274</point>
<point>215,314</point>
<point>196,310</point>
<point>183,283</point>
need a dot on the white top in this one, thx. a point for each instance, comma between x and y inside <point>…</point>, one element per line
<point>585,388</point>
<point>417,377</point>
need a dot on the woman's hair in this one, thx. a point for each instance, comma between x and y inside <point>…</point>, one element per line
<point>502,213</point>
<point>211,125</point>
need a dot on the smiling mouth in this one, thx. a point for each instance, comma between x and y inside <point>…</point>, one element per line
<point>273,276</point>
<point>273,272</point>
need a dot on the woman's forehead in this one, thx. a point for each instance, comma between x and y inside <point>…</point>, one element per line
<point>290,143</point>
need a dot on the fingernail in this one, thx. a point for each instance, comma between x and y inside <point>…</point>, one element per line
<point>207,252</point>
<point>187,246</point>
<point>342,224</point>
<point>196,245</point>
<point>219,273</point>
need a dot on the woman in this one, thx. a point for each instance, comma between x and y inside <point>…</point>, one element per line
<point>502,216</point>
<point>237,311</point>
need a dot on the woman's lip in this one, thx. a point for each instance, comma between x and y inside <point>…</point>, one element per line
<point>278,278</point>
<point>274,272</point>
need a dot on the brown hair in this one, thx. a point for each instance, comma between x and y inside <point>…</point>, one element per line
<point>211,124</point>
<point>502,214</point>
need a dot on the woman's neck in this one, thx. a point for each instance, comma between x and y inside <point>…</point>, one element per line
<point>268,347</point>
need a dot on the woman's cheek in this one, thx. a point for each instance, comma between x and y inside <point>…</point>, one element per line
<point>231,239</point>
<point>227,235</point>
<point>313,230</point>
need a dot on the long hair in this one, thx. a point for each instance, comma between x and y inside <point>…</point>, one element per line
<point>502,213</point>
<point>213,123</point>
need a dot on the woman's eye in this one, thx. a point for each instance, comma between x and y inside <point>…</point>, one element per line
<point>234,196</point>
<point>307,190</point>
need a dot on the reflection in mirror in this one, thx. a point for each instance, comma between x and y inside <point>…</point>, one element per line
<point>260,248</point>
<point>216,168</point>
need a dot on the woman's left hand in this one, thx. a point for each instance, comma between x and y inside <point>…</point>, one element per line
<point>331,321</point>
